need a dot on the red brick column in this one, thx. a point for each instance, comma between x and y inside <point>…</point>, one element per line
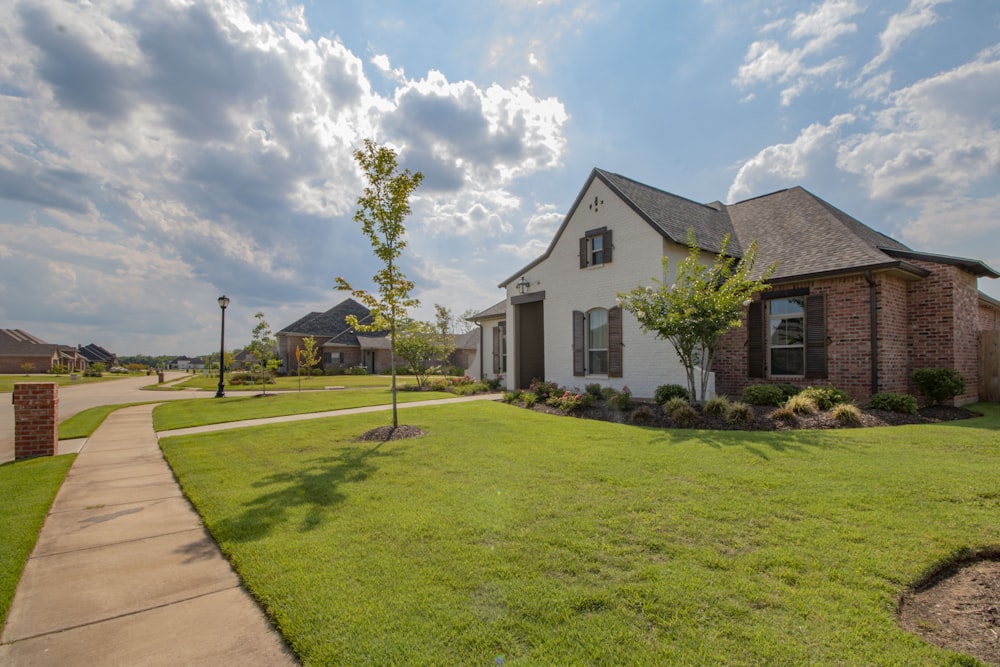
<point>36,419</point>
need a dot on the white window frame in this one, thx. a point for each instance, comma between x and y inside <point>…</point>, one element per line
<point>591,349</point>
<point>780,321</point>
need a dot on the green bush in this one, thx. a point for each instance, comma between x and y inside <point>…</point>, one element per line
<point>938,385</point>
<point>665,392</point>
<point>511,396</point>
<point>825,397</point>
<point>681,412</point>
<point>468,389</point>
<point>356,370</point>
<point>543,390</point>
<point>788,390</point>
<point>622,400</point>
<point>495,383</point>
<point>59,369</point>
<point>717,405</point>
<point>846,413</point>
<point>764,394</point>
<point>569,400</point>
<point>740,413</point>
<point>893,402</point>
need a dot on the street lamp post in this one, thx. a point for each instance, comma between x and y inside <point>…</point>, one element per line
<point>223,302</point>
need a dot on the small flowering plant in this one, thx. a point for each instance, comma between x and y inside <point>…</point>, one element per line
<point>570,401</point>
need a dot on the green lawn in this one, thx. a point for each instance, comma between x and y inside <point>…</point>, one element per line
<point>292,383</point>
<point>83,424</point>
<point>200,411</point>
<point>510,536</point>
<point>27,489</point>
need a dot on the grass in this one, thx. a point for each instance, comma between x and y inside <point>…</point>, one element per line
<point>83,424</point>
<point>510,536</point>
<point>27,489</point>
<point>291,383</point>
<point>198,411</point>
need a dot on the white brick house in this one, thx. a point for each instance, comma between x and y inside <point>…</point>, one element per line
<point>847,305</point>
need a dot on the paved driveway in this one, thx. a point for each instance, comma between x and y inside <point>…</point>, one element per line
<point>77,398</point>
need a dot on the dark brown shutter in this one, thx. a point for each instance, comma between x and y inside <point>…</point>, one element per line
<point>583,253</point>
<point>578,347</point>
<point>615,342</point>
<point>755,333</point>
<point>496,350</point>
<point>607,249</point>
<point>816,336</point>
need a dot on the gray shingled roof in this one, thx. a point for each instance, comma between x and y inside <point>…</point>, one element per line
<point>805,235</point>
<point>496,310</point>
<point>330,325</point>
<point>673,216</point>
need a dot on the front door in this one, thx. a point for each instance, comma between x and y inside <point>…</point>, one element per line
<point>369,361</point>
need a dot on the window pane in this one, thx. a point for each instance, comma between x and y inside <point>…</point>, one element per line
<point>793,306</point>
<point>597,250</point>
<point>790,331</point>
<point>598,320</point>
<point>598,362</point>
<point>788,361</point>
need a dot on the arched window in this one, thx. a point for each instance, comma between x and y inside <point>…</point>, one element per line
<point>597,341</point>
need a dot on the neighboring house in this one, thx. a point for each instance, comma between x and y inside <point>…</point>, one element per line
<point>339,344</point>
<point>490,360</point>
<point>181,363</point>
<point>847,306</point>
<point>342,347</point>
<point>94,353</point>
<point>18,347</point>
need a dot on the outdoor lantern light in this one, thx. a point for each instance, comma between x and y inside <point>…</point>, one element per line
<point>223,302</point>
<point>523,285</point>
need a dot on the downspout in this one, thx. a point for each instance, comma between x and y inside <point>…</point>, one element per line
<point>873,317</point>
<point>482,341</point>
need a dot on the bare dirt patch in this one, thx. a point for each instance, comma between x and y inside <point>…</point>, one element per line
<point>387,433</point>
<point>958,609</point>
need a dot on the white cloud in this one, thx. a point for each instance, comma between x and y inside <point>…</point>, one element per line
<point>769,61</point>
<point>919,14</point>
<point>211,151</point>
<point>785,165</point>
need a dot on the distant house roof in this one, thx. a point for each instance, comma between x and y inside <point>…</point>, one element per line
<point>16,342</point>
<point>331,325</point>
<point>802,234</point>
<point>95,353</point>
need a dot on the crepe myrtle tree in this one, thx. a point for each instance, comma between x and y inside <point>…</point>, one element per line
<point>702,304</point>
<point>382,206</point>
<point>262,347</point>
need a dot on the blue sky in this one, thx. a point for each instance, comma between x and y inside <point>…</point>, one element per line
<point>156,155</point>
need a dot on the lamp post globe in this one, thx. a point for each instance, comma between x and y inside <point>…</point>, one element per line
<point>223,302</point>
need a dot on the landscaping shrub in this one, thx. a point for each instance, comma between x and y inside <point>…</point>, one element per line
<point>787,391</point>
<point>569,401</point>
<point>681,412</point>
<point>764,394</point>
<point>665,392</point>
<point>801,404</point>
<point>784,414</point>
<point>495,383</point>
<point>846,413</point>
<point>825,397</point>
<point>246,377</point>
<point>543,390</point>
<point>739,413</point>
<point>717,405</point>
<point>893,402</point>
<point>511,396</point>
<point>356,370</point>
<point>59,369</point>
<point>642,415</point>
<point>594,390</point>
<point>468,389</point>
<point>622,400</point>
<point>938,385</point>
<point>529,398</point>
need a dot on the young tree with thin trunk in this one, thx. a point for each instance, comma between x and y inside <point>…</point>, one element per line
<point>262,348</point>
<point>702,304</point>
<point>382,207</point>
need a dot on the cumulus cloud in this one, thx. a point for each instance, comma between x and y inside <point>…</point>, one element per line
<point>768,61</point>
<point>216,145</point>
<point>919,14</point>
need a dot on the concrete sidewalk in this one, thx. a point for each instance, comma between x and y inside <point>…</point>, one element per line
<point>124,573</point>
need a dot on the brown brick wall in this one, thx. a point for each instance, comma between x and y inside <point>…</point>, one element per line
<point>944,324</point>
<point>989,317</point>
<point>932,322</point>
<point>36,421</point>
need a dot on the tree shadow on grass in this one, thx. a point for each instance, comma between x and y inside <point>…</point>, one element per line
<point>760,444</point>
<point>315,484</point>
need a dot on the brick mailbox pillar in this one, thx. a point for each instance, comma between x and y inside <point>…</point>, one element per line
<point>36,419</point>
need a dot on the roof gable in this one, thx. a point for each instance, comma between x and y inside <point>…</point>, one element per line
<point>330,325</point>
